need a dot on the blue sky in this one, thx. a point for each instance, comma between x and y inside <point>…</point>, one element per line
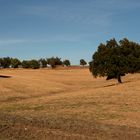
<point>70,29</point>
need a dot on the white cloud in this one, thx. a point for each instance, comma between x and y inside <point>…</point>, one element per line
<point>98,12</point>
<point>73,15</point>
<point>11,41</point>
<point>48,39</point>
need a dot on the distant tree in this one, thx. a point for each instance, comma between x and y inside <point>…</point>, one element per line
<point>66,63</point>
<point>25,64</point>
<point>58,61</point>
<point>42,62</point>
<point>53,62</point>
<point>15,62</point>
<point>5,62</point>
<point>34,64</point>
<point>83,62</point>
<point>116,59</point>
<point>1,63</point>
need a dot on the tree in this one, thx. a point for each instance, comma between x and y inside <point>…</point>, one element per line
<point>25,64</point>
<point>5,62</point>
<point>15,62</point>
<point>42,62</point>
<point>115,59</point>
<point>132,52</point>
<point>66,63</point>
<point>53,62</point>
<point>1,62</point>
<point>58,61</point>
<point>34,64</point>
<point>83,62</point>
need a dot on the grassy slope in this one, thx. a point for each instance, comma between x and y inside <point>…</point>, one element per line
<point>68,104</point>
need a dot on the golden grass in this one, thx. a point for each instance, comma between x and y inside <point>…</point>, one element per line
<point>68,104</point>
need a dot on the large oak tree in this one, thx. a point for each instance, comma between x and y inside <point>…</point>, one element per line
<point>116,59</point>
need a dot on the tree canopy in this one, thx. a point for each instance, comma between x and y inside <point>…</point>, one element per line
<point>83,62</point>
<point>5,62</point>
<point>42,62</point>
<point>66,63</point>
<point>54,61</point>
<point>8,62</point>
<point>115,59</point>
<point>15,62</point>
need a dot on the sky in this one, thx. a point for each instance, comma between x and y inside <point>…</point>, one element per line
<point>69,29</point>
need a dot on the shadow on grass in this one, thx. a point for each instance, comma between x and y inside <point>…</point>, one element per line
<point>117,84</point>
<point>110,85</point>
<point>4,76</point>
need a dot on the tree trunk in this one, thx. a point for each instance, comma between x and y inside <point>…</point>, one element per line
<point>119,78</point>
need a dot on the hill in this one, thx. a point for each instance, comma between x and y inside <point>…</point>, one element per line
<point>68,104</point>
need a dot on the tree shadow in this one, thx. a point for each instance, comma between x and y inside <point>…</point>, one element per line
<point>110,85</point>
<point>115,84</point>
<point>5,76</point>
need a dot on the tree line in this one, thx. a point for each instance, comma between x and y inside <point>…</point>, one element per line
<point>8,62</point>
<point>115,59</point>
<point>112,59</point>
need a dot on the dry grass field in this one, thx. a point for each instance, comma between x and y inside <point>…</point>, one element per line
<point>68,105</point>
